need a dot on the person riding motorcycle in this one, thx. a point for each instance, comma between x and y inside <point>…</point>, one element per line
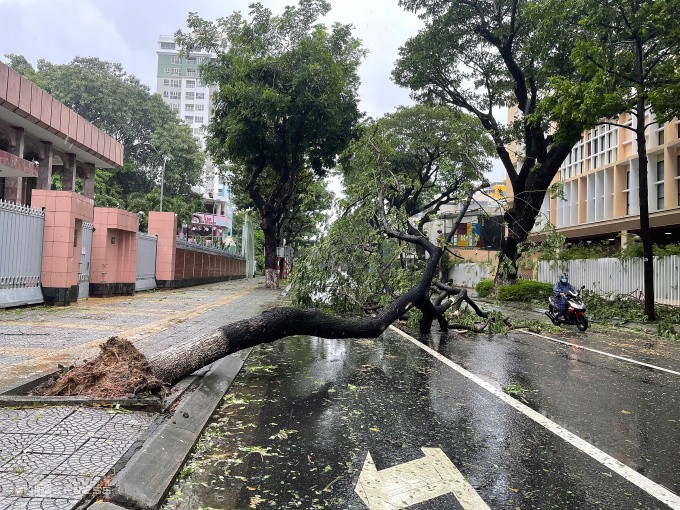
<point>560,290</point>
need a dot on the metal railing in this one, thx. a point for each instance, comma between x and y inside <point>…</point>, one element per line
<point>21,242</point>
<point>85,259</point>
<point>183,245</point>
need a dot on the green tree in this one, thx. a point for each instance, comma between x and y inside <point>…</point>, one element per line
<point>479,55</point>
<point>426,153</point>
<point>286,102</point>
<point>628,53</point>
<point>307,213</point>
<point>398,175</point>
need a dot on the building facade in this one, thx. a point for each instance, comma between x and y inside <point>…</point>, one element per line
<point>599,181</point>
<point>179,84</point>
<point>479,235</point>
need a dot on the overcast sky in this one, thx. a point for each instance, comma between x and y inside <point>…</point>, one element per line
<point>127,31</point>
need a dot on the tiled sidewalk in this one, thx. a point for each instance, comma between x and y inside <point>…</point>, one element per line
<point>51,457</point>
<point>35,340</point>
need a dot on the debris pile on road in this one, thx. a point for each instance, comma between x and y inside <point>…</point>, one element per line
<point>119,370</point>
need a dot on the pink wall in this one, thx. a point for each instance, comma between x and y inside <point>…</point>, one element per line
<point>164,225</point>
<point>114,246</point>
<point>62,242</point>
<point>190,265</point>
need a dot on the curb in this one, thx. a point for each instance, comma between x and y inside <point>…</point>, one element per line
<point>102,505</point>
<point>151,404</point>
<point>22,388</point>
<point>148,476</point>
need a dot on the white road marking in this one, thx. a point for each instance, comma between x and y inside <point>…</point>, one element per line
<point>621,358</point>
<point>415,482</point>
<point>650,487</point>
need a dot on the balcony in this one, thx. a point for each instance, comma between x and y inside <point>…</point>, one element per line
<point>13,166</point>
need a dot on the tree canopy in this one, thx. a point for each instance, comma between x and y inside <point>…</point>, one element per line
<point>398,175</point>
<point>285,106</point>
<point>479,55</point>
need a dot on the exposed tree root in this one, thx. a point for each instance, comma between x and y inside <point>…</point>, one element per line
<point>119,370</point>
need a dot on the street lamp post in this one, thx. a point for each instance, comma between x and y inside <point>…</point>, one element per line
<point>165,160</point>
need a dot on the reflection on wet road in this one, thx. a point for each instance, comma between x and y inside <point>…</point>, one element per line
<point>628,411</point>
<point>297,427</point>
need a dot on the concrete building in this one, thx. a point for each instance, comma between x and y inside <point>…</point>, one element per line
<point>179,83</point>
<point>600,182</point>
<point>40,136</point>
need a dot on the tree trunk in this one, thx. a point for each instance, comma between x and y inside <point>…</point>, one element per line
<point>271,266</point>
<point>179,361</point>
<point>507,261</point>
<point>182,360</point>
<point>520,220</point>
<point>645,232</point>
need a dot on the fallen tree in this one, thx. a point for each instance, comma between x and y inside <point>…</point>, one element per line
<point>376,257</point>
<point>177,362</point>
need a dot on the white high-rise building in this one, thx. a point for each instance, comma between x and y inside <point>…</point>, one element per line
<point>179,84</point>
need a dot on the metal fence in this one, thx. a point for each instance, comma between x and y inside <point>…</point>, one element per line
<point>145,278</point>
<point>614,276</point>
<point>21,241</point>
<point>184,245</point>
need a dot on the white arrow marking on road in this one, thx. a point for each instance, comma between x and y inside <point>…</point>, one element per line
<point>415,482</point>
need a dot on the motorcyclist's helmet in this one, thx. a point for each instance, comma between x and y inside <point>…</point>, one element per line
<point>564,278</point>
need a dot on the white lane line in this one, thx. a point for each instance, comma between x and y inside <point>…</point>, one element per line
<point>622,358</point>
<point>652,488</point>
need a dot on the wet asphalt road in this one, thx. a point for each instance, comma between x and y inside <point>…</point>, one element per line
<point>296,428</point>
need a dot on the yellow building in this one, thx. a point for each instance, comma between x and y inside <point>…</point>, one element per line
<point>601,185</point>
<point>497,190</point>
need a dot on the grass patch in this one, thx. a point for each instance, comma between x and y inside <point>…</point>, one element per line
<point>626,308</point>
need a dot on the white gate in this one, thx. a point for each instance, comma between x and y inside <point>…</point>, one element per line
<point>85,256</point>
<point>145,277</point>
<point>21,242</point>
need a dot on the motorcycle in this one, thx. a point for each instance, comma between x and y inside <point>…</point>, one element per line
<point>575,313</point>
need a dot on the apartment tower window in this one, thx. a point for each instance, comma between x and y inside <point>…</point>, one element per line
<point>677,177</point>
<point>659,185</point>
